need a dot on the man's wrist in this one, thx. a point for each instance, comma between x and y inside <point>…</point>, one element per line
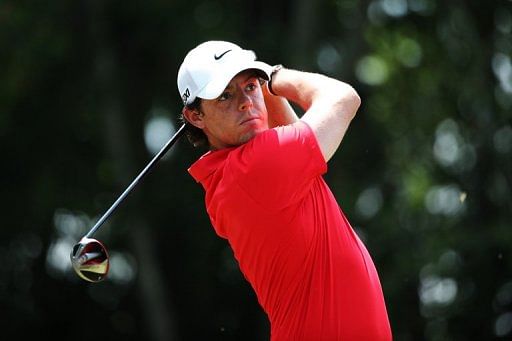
<point>275,69</point>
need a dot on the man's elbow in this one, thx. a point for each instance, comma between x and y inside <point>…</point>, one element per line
<point>349,100</point>
<point>355,100</point>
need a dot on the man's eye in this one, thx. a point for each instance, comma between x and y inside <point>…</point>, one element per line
<point>251,86</point>
<point>224,96</point>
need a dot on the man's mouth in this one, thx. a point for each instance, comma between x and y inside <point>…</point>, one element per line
<point>250,119</point>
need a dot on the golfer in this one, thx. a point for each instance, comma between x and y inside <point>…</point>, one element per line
<point>265,193</point>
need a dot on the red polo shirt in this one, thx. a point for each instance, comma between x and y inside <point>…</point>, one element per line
<point>312,275</point>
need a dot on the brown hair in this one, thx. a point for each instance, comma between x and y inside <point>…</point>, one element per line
<point>195,135</point>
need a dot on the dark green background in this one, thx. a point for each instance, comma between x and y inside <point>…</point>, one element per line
<point>424,173</point>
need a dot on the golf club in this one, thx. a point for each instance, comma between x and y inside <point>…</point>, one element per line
<point>89,257</point>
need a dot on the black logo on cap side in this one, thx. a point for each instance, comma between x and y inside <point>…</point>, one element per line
<point>185,96</point>
<point>221,55</point>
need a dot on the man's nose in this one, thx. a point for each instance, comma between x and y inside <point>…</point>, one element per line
<point>244,101</point>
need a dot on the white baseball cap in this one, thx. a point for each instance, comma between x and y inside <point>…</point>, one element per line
<point>208,68</point>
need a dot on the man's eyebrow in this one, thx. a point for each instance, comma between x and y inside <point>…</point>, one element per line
<point>245,79</point>
<point>251,75</point>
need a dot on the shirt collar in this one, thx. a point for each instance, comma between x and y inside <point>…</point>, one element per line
<point>208,163</point>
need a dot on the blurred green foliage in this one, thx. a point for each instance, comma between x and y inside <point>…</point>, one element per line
<point>424,173</point>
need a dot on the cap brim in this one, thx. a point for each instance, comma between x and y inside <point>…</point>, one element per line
<point>215,88</point>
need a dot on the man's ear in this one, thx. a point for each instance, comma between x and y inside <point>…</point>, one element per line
<point>194,117</point>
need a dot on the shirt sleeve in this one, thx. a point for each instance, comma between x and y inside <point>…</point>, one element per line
<point>278,167</point>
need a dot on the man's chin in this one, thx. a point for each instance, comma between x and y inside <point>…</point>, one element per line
<point>250,135</point>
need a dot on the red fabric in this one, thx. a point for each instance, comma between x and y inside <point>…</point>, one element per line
<point>311,273</point>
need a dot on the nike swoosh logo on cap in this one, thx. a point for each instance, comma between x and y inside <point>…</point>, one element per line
<point>221,55</point>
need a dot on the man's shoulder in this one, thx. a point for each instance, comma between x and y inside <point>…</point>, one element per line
<point>208,163</point>
<point>278,136</point>
<point>266,150</point>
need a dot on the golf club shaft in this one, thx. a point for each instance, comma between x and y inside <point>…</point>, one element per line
<point>139,177</point>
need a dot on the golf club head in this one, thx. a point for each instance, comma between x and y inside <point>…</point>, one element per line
<point>90,260</point>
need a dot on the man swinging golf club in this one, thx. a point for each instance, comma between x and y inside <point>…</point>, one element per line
<point>265,193</point>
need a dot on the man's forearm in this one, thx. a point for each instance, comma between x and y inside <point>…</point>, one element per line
<point>303,88</point>
<point>280,112</point>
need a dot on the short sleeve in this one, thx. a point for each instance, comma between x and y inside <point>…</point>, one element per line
<point>278,167</point>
